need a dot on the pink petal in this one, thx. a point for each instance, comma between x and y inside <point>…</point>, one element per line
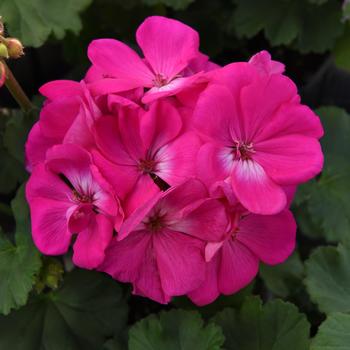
<point>61,88</point>
<point>208,291</point>
<point>255,190</point>
<point>238,267</point>
<point>110,142</point>
<point>116,59</point>
<point>216,115</point>
<point>292,118</point>
<point>168,45</point>
<point>271,238</point>
<point>36,146</point>
<point>179,198</point>
<point>174,87</point>
<point>265,65</point>
<point>214,163</point>
<point>73,162</point>
<point>207,222</point>
<point>57,116</point>
<point>144,190</point>
<point>49,225</point>
<point>112,85</point>
<point>89,247</point>
<point>261,100</point>
<point>176,161</point>
<point>80,218</point>
<point>290,159</point>
<point>180,262</point>
<point>159,125</point>
<point>45,184</point>
<point>133,260</point>
<point>146,200</point>
<point>121,177</point>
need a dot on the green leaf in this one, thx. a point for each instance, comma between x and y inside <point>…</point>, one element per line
<point>33,21</point>
<point>234,300</point>
<point>333,334</point>
<point>16,132</point>
<point>175,4</point>
<point>341,50</point>
<point>19,262</point>
<point>308,27</point>
<point>284,279</point>
<point>173,330</point>
<point>20,210</point>
<point>18,265</point>
<point>326,200</point>
<point>11,172</point>
<point>277,325</point>
<point>79,315</point>
<point>328,278</point>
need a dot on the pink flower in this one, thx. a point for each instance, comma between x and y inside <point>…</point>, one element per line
<point>139,147</point>
<point>172,61</point>
<point>160,248</point>
<point>234,262</point>
<point>259,136</point>
<point>67,117</point>
<point>265,65</point>
<point>68,196</point>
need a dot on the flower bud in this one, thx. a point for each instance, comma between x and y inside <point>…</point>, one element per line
<point>14,47</point>
<point>3,51</point>
<point>2,74</point>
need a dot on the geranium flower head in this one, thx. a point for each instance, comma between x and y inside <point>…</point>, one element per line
<point>68,196</point>
<point>234,262</point>
<point>160,247</point>
<point>258,136</point>
<point>171,60</point>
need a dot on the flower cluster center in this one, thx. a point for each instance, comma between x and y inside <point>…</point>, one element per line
<point>81,198</point>
<point>147,166</point>
<point>160,80</point>
<point>242,150</point>
<point>155,223</point>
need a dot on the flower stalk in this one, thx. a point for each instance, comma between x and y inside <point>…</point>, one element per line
<point>16,90</point>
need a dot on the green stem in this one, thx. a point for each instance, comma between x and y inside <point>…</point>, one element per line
<point>16,90</point>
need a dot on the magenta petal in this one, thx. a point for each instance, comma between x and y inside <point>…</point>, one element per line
<point>57,116</point>
<point>290,159</point>
<point>89,247</point>
<point>168,45</point>
<point>216,115</point>
<point>49,225</point>
<point>238,267</point>
<point>271,238</point>
<point>161,124</point>
<point>61,88</point>
<point>265,65</point>
<point>36,146</point>
<point>292,119</point>
<point>207,222</point>
<point>180,262</point>
<point>44,184</point>
<point>133,260</point>
<point>145,199</point>
<point>121,177</point>
<point>208,291</point>
<point>255,190</point>
<point>214,163</point>
<point>80,218</point>
<point>116,59</point>
<point>176,161</point>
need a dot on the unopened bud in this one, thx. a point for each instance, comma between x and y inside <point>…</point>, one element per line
<point>14,48</point>
<point>2,28</point>
<point>3,51</point>
<point>2,74</point>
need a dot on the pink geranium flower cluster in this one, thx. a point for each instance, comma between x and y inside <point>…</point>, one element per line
<point>167,171</point>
